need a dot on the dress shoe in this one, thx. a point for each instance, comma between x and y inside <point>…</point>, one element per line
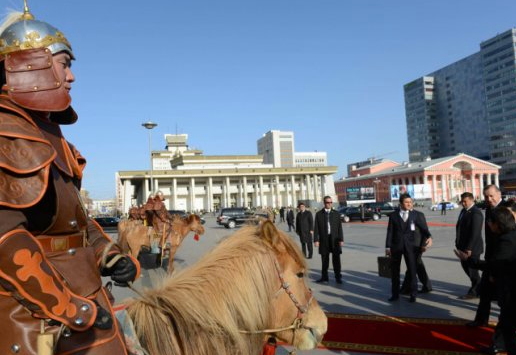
<point>412,299</point>
<point>320,281</point>
<point>476,323</point>
<point>393,298</point>
<point>468,296</point>
<point>339,281</point>
<point>425,290</point>
<point>492,350</point>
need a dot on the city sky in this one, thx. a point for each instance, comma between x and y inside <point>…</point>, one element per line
<point>225,72</point>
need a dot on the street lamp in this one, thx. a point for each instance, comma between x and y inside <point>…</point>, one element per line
<point>150,125</point>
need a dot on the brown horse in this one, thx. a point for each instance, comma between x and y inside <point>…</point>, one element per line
<point>253,283</point>
<point>132,235</point>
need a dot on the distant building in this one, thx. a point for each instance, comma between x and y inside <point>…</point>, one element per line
<point>103,208</point>
<point>193,181</point>
<point>468,106</point>
<point>277,148</point>
<point>431,180</point>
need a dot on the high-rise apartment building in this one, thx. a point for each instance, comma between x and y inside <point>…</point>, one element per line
<point>467,107</point>
<point>499,71</point>
<point>277,148</point>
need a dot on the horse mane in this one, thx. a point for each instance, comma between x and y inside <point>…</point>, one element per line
<point>201,309</point>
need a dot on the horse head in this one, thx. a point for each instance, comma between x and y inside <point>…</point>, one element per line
<point>195,224</point>
<point>295,308</point>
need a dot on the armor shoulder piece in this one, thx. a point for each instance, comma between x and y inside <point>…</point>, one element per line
<point>25,157</point>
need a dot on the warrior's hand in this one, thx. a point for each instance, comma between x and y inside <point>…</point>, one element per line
<point>103,319</point>
<point>122,272</point>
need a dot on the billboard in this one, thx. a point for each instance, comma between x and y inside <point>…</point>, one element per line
<point>416,191</point>
<point>360,194</point>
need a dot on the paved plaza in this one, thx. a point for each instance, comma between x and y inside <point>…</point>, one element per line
<point>362,291</point>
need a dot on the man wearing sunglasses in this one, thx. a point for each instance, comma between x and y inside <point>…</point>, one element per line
<point>329,238</point>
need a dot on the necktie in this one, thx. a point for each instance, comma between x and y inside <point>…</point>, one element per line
<point>327,214</point>
<point>405,216</point>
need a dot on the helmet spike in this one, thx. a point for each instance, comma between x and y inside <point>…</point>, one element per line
<point>26,13</point>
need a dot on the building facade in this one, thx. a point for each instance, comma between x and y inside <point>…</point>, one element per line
<point>468,106</point>
<point>432,180</point>
<point>195,182</point>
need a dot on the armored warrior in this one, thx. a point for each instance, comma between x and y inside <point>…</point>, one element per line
<point>52,255</point>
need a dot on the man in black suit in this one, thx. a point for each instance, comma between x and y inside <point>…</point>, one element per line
<point>407,234</point>
<point>290,219</point>
<point>469,240</point>
<point>305,230</point>
<point>329,238</point>
<point>493,198</point>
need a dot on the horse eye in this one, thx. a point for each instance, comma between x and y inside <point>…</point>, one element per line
<point>300,275</point>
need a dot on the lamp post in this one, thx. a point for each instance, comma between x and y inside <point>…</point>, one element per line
<point>150,125</point>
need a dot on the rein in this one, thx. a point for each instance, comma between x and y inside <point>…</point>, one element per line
<point>297,323</point>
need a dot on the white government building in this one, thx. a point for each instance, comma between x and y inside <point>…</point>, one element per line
<point>192,181</point>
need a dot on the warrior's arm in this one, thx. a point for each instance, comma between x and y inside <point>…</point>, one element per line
<point>26,275</point>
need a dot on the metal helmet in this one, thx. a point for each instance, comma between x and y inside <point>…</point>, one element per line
<point>26,47</point>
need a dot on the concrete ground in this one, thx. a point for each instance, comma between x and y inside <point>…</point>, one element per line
<point>362,291</point>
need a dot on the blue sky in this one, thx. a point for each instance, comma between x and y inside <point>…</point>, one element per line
<point>227,71</point>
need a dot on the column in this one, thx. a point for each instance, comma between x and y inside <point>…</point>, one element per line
<point>452,187</point>
<point>146,191</point>
<point>278,192</point>
<point>489,179</point>
<point>473,185</point>
<point>191,196</point>
<point>324,188</point>
<point>244,183</point>
<point>127,196</point>
<point>497,182</point>
<point>174,194</point>
<point>261,191</point>
<point>316,188</point>
<point>434,188</point>
<point>481,180</point>
<point>293,190</point>
<point>156,184</point>
<point>209,193</point>
<point>309,195</point>
<point>443,186</point>
<point>228,192</point>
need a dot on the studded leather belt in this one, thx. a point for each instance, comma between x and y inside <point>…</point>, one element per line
<point>61,243</point>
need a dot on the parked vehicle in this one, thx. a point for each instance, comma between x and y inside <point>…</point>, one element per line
<point>383,208</point>
<point>353,213</point>
<point>449,206</point>
<point>232,217</point>
<point>107,221</point>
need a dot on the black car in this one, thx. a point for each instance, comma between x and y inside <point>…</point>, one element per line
<point>382,208</point>
<point>231,217</point>
<point>107,221</point>
<point>354,213</point>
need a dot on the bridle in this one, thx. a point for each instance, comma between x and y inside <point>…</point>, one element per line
<point>297,323</point>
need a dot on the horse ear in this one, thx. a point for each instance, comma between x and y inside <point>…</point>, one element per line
<point>271,236</point>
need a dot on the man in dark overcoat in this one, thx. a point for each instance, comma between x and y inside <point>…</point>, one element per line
<point>290,219</point>
<point>469,240</point>
<point>329,238</point>
<point>305,229</point>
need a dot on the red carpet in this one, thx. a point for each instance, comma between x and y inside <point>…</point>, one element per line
<point>392,335</point>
